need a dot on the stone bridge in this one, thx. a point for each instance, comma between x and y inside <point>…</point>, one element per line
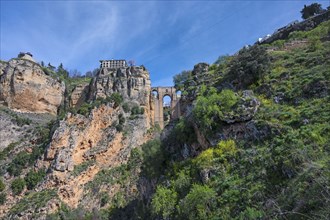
<point>158,93</point>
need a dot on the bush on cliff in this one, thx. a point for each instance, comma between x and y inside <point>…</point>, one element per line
<point>250,65</point>
<point>33,178</point>
<point>18,185</point>
<point>212,106</point>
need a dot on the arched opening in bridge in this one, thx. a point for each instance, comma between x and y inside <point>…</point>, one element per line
<point>155,94</point>
<point>167,110</point>
<point>178,94</point>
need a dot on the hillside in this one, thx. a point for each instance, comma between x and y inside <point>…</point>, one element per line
<point>252,141</point>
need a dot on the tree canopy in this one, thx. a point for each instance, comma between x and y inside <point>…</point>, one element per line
<point>311,10</point>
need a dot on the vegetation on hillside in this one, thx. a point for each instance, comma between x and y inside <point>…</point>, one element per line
<point>277,167</point>
<point>212,163</point>
<point>284,174</point>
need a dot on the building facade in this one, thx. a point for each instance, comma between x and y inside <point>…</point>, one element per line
<point>113,64</point>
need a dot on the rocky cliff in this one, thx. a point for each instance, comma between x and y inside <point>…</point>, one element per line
<point>80,146</point>
<point>133,83</point>
<point>25,87</point>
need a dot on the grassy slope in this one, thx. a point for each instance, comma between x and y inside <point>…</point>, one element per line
<point>283,176</point>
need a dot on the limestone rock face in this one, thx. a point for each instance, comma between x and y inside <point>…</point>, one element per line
<point>92,140</point>
<point>3,66</point>
<point>79,95</point>
<point>26,88</point>
<point>132,83</point>
<point>248,106</point>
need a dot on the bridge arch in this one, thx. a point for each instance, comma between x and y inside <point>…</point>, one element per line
<point>159,105</point>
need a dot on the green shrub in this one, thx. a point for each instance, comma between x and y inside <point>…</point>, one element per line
<point>3,198</point>
<point>84,109</point>
<point>153,158</point>
<point>2,185</point>
<point>119,127</point>
<point>250,65</point>
<point>182,183</point>
<point>34,201</point>
<point>180,79</point>
<point>19,162</point>
<point>5,152</point>
<point>315,44</point>
<point>22,121</point>
<point>126,107</point>
<point>116,98</point>
<point>33,178</point>
<point>183,132</point>
<point>297,35</point>
<point>163,202</point>
<point>105,198</point>
<point>17,186</point>
<point>212,67</point>
<point>200,203</point>
<point>136,110</point>
<point>279,44</point>
<point>251,214</point>
<point>212,107</point>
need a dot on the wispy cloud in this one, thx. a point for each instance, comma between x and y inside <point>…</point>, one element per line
<point>165,36</point>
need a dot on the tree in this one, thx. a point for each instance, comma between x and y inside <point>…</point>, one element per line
<point>311,10</point>
<point>153,158</point>
<point>75,73</point>
<point>62,72</point>
<point>181,78</point>
<point>51,67</point>
<point>211,107</point>
<point>163,202</point>
<point>200,203</point>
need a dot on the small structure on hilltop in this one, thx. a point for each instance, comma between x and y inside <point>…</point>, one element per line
<point>113,64</point>
<point>26,56</point>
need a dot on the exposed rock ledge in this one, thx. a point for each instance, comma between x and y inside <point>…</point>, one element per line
<point>25,87</point>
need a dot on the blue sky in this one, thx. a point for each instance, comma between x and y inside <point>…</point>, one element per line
<point>165,36</point>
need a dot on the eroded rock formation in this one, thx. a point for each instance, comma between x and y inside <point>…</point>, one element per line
<point>133,83</point>
<point>25,87</point>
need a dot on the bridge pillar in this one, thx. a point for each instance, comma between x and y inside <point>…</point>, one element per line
<point>159,107</point>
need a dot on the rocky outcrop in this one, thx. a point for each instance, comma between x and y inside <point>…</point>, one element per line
<point>79,95</point>
<point>305,25</point>
<point>3,66</point>
<point>246,108</point>
<point>92,140</point>
<point>133,83</point>
<point>25,87</point>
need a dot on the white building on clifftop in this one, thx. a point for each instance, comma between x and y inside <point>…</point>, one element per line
<point>113,64</point>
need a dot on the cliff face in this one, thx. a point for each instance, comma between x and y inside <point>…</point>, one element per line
<point>94,142</point>
<point>79,95</point>
<point>26,88</point>
<point>80,147</point>
<point>133,83</point>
